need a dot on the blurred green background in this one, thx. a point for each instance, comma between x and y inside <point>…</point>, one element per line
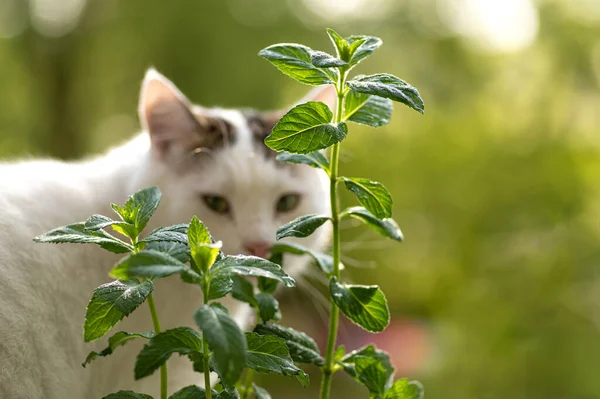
<point>495,291</point>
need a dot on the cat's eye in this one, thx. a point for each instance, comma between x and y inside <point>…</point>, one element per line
<point>217,203</point>
<point>288,202</point>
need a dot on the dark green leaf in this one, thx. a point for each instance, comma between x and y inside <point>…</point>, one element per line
<point>149,264</point>
<point>372,195</point>
<point>243,291</point>
<point>386,227</point>
<point>361,47</point>
<point>228,393</point>
<point>176,233</point>
<point>269,354</point>
<point>182,340</point>
<point>405,389</point>
<point>174,249</point>
<point>303,349</point>
<point>321,59</point>
<point>268,307</point>
<point>306,128</point>
<point>127,395</point>
<point>388,86</point>
<point>366,109</point>
<point>118,339</point>
<point>98,222</point>
<point>219,287</point>
<point>369,351</point>
<point>324,261</point>
<point>147,200</point>
<point>189,392</point>
<point>250,266</point>
<point>340,44</point>
<point>370,367</point>
<point>301,227</point>
<point>226,340</point>
<point>294,60</point>
<point>110,303</point>
<point>261,393</point>
<point>76,233</point>
<point>314,159</point>
<point>365,305</point>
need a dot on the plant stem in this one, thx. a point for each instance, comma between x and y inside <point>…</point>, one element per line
<point>334,313</point>
<point>163,368</point>
<point>247,387</point>
<point>205,350</point>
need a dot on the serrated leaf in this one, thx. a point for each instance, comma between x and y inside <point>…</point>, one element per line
<point>386,227</point>
<point>76,234</point>
<point>110,303</point>
<point>260,393</point>
<point>370,367</point>
<point>189,392</point>
<point>294,60</point>
<point>340,44</point>
<point>324,261</point>
<point>405,389</point>
<point>228,393</point>
<point>306,128</point>
<point>174,249</point>
<point>149,263</point>
<point>372,195</point>
<point>219,287</point>
<point>314,159</point>
<point>268,307</point>
<point>98,222</point>
<point>139,208</point>
<point>118,339</point>
<point>269,354</point>
<point>365,305</point>
<point>156,352</point>
<point>243,291</point>
<point>321,59</point>
<point>225,339</point>
<point>388,86</point>
<point>366,109</point>
<point>303,349</point>
<point>360,47</point>
<point>176,233</point>
<point>127,395</point>
<point>250,266</point>
<point>302,226</point>
<point>202,249</point>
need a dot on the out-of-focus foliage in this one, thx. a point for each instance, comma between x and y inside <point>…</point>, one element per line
<point>494,292</point>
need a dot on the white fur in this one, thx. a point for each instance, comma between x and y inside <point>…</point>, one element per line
<point>44,288</point>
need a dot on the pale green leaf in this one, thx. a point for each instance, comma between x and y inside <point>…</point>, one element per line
<point>372,195</point>
<point>294,60</point>
<point>360,47</point>
<point>386,227</point>
<point>366,109</point>
<point>388,86</point>
<point>149,263</point>
<point>365,305</point>
<point>314,159</point>
<point>405,389</point>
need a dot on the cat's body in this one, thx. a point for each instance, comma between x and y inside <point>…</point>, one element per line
<point>207,162</point>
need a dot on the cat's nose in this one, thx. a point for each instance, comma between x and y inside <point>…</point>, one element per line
<point>258,248</point>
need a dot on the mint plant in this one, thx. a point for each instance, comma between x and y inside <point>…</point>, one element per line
<point>299,135</point>
<point>187,250</point>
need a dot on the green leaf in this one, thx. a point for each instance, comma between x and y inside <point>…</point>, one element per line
<point>266,284</point>
<point>386,227</point>
<point>314,159</point>
<point>149,264</point>
<point>139,208</point>
<point>261,393</point>
<point>405,389</point>
<point>366,109</point>
<point>118,339</point>
<point>372,195</point>
<point>110,303</point>
<point>203,250</point>
<point>225,339</point>
<point>365,305</point>
<point>324,261</point>
<point>302,226</point>
<point>189,392</point>
<point>303,349</point>
<point>176,233</point>
<point>174,249</point>
<point>127,395</point>
<point>98,222</point>
<point>321,59</point>
<point>269,354</point>
<point>250,266</point>
<point>268,307</point>
<point>360,47</point>
<point>294,60</point>
<point>156,352</point>
<point>228,393</point>
<point>219,287</point>
<point>370,367</point>
<point>76,233</point>
<point>388,86</point>
<point>340,44</point>
<point>306,128</point>
<point>243,291</point>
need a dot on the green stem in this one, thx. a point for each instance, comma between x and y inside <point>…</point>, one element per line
<point>334,313</point>
<point>163,368</point>
<point>247,387</point>
<point>205,350</point>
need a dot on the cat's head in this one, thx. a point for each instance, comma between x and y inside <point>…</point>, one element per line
<point>213,163</point>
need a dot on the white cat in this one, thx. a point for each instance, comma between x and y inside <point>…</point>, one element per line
<point>208,162</point>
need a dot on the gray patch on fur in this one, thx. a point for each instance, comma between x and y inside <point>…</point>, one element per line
<point>261,124</point>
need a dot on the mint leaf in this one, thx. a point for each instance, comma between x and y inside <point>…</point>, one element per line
<point>190,392</point>
<point>174,249</point>
<point>367,109</point>
<point>219,287</point>
<point>324,261</point>
<point>260,393</point>
<point>360,47</point>
<point>127,395</point>
<point>314,159</point>
<point>301,227</point>
<point>388,86</point>
<point>294,60</point>
<point>203,250</point>
<point>372,195</point>
<point>370,367</point>
<point>156,352</point>
<point>118,339</point>
<point>228,393</point>
<point>226,340</point>
<point>139,208</point>
<point>303,349</point>
<point>250,266</point>
<point>98,222</point>
<point>268,307</point>
<point>176,233</point>
<point>306,128</point>
<point>76,234</point>
<point>149,263</point>
<point>405,389</point>
<point>110,303</point>
<point>269,354</point>
<point>386,227</point>
<point>323,60</point>
<point>243,291</point>
<point>365,305</point>
<point>340,44</point>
